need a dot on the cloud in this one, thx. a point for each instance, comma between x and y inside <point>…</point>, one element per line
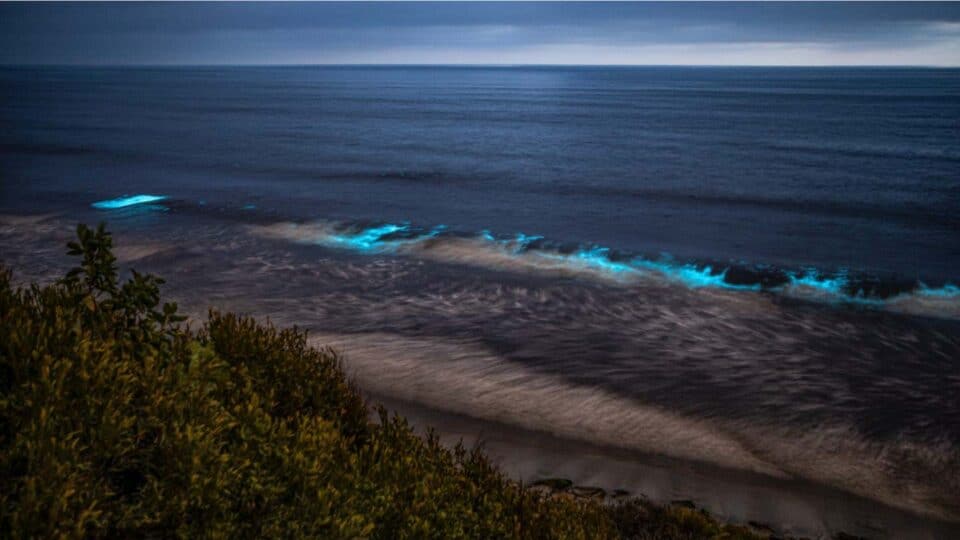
<point>541,33</point>
<point>712,54</point>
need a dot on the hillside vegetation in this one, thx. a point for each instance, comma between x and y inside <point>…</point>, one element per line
<point>116,420</point>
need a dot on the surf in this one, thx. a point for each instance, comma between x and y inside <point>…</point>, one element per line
<point>521,252</point>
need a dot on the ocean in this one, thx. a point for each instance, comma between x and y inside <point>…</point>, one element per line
<point>750,269</point>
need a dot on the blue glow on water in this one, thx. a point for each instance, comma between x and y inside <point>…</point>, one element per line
<point>528,238</point>
<point>385,238</point>
<point>812,278</point>
<point>523,241</point>
<point>375,239</point>
<point>367,239</point>
<point>947,291</point>
<point>594,258</point>
<point>599,257</point>
<point>250,207</point>
<point>693,276</point>
<point>701,277</point>
<point>124,202</point>
<point>834,287</point>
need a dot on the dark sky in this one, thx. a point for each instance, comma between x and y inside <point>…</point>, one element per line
<point>482,33</point>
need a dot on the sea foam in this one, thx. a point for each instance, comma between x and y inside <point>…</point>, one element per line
<point>534,253</point>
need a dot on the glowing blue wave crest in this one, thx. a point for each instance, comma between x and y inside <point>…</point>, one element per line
<point>812,278</point>
<point>380,238</point>
<point>836,287</point>
<point>947,291</point>
<point>123,202</point>
<point>367,239</point>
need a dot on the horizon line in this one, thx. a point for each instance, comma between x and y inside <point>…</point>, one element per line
<point>477,65</point>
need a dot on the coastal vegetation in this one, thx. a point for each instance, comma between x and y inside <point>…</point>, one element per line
<point>117,419</point>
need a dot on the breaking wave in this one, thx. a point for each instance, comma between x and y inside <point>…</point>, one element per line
<point>522,252</point>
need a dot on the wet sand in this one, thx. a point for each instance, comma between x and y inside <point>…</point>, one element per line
<point>794,507</point>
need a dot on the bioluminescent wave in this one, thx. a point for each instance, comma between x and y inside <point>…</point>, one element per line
<point>124,202</point>
<point>522,251</point>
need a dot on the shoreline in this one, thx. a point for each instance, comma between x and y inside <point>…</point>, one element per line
<point>797,508</point>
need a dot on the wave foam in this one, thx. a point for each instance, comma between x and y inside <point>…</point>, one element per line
<point>523,252</point>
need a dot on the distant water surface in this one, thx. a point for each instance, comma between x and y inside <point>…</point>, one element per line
<point>748,267</point>
<point>833,168</point>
